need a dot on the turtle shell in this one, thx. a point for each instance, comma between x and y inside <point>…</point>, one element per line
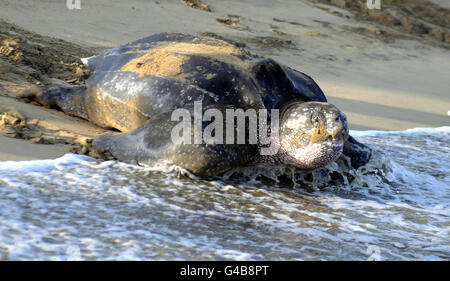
<point>163,72</point>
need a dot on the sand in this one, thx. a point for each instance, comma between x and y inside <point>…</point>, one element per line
<point>168,59</point>
<point>386,71</point>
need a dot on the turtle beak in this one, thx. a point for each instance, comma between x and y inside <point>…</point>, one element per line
<point>320,133</point>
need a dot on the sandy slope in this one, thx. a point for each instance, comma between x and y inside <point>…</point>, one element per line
<point>382,77</point>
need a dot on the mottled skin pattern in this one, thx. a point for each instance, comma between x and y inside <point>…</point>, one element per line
<point>312,134</point>
<point>312,131</point>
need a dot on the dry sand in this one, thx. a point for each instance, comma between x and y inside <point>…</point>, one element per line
<point>387,70</point>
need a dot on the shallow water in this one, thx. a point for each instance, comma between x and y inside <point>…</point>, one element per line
<point>76,207</point>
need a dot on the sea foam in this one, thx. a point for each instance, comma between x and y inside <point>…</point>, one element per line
<point>79,208</point>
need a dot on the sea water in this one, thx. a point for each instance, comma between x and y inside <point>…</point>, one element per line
<point>79,208</point>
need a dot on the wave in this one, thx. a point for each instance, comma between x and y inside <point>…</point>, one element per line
<point>77,207</point>
<point>414,131</point>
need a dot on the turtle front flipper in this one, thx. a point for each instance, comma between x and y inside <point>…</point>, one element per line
<point>358,153</point>
<point>152,143</point>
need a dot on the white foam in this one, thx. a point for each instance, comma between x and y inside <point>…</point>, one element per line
<point>367,133</point>
<point>79,208</point>
<point>42,165</point>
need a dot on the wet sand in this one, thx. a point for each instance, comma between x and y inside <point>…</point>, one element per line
<point>385,72</point>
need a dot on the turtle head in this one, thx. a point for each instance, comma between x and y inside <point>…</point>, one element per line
<point>312,134</point>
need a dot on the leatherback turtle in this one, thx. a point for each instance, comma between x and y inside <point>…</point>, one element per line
<point>135,89</point>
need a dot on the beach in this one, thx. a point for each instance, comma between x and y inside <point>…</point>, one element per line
<point>383,78</point>
<point>388,70</point>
